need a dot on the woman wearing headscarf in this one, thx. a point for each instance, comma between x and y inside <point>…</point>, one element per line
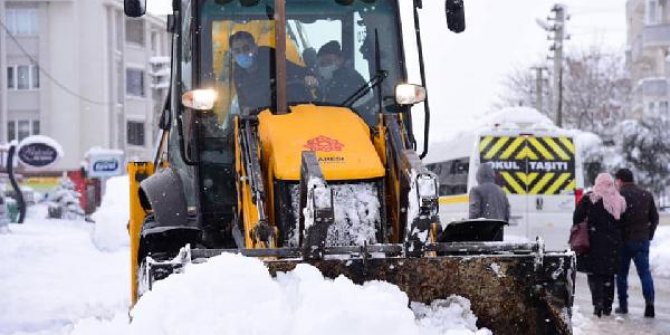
<point>603,207</point>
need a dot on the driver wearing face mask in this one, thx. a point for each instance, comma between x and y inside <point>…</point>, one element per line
<point>253,73</point>
<point>337,82</point>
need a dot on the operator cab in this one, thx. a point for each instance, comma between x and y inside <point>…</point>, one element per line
<point>229,47</point>
<point>225,63</point>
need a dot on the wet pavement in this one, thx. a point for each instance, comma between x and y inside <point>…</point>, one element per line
<point>633,323</point>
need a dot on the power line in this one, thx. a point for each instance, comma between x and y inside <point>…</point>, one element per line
<point>47,74</point>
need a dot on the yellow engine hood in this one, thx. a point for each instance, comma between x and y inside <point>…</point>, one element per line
<point>339,137</point>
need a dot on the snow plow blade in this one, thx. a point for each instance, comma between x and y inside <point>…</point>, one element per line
<point>514,288</point>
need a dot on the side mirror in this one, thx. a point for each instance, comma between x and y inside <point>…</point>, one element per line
<point>455,15</point>
<point>134,8</point>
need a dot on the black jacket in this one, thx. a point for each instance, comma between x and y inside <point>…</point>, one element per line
<point>345,82</point>
<point>641,217</point>
<point>604,238</point>
<point>256,86</point>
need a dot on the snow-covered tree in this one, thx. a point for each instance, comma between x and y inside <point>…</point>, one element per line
<point>644,147</point>
<point>64,201</point>
<point>595,91</point>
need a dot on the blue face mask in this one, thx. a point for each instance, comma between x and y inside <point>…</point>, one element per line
<point>245,61</point>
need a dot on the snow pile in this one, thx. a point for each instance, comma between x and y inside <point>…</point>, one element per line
<point>357,213</point>
<point>449,316</point>
<point>112,217</point>
<point>659,253</point>
<point>52,276</point>
<point>579,321</point>
<point>231,294</point>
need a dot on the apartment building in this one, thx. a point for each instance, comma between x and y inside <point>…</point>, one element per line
<point>647,58</point>
<point>82,73</point>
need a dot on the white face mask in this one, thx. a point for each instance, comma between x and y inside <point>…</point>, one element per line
<point>327,71</point>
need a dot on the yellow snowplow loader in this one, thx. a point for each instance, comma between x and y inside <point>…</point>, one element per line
<point>301,150</point>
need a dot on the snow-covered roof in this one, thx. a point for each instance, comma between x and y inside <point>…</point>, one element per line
<point>515,117</point>
<point>97,150</point>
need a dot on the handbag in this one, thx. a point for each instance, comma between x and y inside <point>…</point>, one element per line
<point>579,236</point>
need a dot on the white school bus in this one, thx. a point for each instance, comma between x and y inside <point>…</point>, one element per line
<point>538,167</point>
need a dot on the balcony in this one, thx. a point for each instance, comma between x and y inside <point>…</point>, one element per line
<point>652,87</point>
<point>656,35</point>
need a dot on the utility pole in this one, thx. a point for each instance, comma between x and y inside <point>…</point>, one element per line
<point>557,48</point>
<point>558,31</point>
<point>539,90</point>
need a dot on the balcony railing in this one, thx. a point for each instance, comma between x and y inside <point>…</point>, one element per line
<point>656,35</point>
<point>652,87</point>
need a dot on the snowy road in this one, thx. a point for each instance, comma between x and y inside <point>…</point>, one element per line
<point>56,281</point>
<point>52,276</point>
<point>633,323</point>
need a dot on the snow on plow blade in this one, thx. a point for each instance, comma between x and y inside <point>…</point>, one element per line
<point>514,288</point>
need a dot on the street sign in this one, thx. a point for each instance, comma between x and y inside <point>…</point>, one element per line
<point>104,163</point>
<point>38,151</point>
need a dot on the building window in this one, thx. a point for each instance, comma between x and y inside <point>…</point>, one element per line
<point>663,108</point>
<point>24,129</point>
<point>34,77</point>
<point>135,31</point>
<point>22,21</point>
<point>23,77</point>
<point>652,17</point>
<point>154,42</point>
<point>120,95</point>
<point>652,108</point>
<point>18,130</point>
<point>135,82</point>
<point>10,77</point>
<point>118,22</point>
<point>135,132</point>
<point>11,131</point>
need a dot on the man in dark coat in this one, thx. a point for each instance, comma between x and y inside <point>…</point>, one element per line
<point>254,74</point>
<point>339,81</point>
<point>488,200</point>
<point>639,224</point>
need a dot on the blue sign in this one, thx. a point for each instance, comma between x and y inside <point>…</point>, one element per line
<point>105,163</point>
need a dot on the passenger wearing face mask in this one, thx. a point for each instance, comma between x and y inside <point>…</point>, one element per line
<point>253,74</point>
<point>337,82</point>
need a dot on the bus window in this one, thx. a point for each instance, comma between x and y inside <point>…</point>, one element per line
<point>453,175</point>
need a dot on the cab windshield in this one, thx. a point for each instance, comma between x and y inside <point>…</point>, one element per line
<point>336,54</point>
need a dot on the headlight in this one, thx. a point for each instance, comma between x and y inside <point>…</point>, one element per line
<point>409,94</point>
<point>202,99</point>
